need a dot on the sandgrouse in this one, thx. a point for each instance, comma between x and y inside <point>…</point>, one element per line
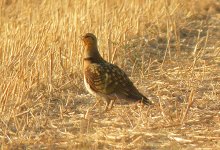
<point>106,80</point>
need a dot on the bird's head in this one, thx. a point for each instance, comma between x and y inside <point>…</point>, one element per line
<point>89,39</point>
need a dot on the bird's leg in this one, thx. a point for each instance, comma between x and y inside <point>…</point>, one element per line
<point>111,104</point>
<point>107,104</point>
<point>97,102</point>
<point>91,108</point>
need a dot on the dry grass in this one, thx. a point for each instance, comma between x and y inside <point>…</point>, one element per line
<point>169,48</point>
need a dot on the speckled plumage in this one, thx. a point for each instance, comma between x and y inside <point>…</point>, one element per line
<point>104,79</point>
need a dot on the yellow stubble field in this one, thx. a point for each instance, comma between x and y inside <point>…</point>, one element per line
<point>169,48</point>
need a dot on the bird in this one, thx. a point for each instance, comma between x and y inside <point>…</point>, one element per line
<point>105,80</point>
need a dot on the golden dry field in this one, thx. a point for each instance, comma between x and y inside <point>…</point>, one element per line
<point>170,49</point>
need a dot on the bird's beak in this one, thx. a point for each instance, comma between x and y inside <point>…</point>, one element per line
<point>82,37</point>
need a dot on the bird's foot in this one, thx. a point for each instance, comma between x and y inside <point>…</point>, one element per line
<point>90,109</point>
<point>86,116</point>
<point>109,105</point>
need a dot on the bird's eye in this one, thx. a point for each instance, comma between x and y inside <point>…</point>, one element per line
<point>87,36</point>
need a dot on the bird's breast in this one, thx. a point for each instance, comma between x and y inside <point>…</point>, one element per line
<point>88,88</point>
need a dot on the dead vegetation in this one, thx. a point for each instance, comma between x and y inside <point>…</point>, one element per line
<point>169,48</point>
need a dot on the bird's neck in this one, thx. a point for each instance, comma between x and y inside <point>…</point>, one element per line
<point>91,53</point>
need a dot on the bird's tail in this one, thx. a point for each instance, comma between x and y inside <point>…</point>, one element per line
<point>146,101</point>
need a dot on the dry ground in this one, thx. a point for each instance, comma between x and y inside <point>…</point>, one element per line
<point>169,48</point>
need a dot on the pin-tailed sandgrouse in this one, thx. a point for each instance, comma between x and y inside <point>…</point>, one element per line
<point>106,80</point>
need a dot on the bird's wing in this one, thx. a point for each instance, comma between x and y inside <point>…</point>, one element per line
<point>125,88</point>
<point>100,78</point>
<point>109,79</point>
